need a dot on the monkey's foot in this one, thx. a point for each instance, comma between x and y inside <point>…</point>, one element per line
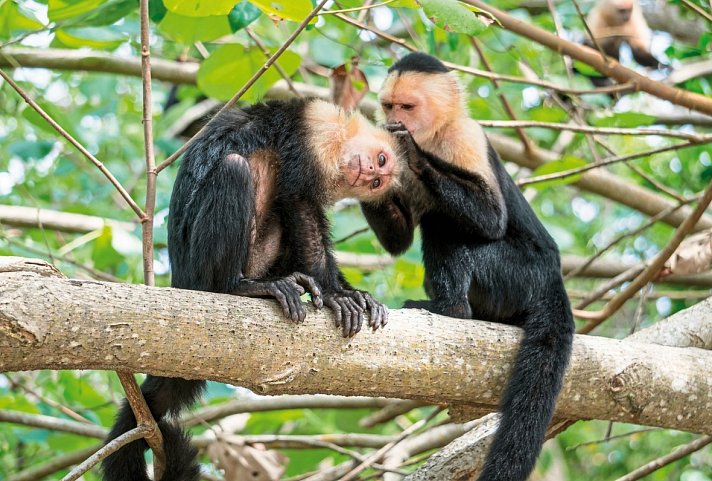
<point>349,307</point>
<point>287,291</point>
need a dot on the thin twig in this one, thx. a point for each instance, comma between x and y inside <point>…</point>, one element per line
<point>75,143</point>
<point>356,9</point>
<point>654,182</point>
<point>611,438</point>
<point>230,103</point>
<point>502,98</point>
<point>52,423</point>
<point>128,437</point>
<point>603,163</point>
<point>147,220</point>
<point>352,235</point>
<point>656,464</point>
<point>625,235</point>
<point>52,466</point>
<point>675,133</point>
<point>277,66</point>
<point>596,318</point>
<point>699,11</point>
<point>143,416</point>
<point>374,457</point>
<point>616,281</point>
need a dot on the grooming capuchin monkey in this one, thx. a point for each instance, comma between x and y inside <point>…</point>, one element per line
<point>614,22</point>
<point>247,217</point>
<point>486,254</point>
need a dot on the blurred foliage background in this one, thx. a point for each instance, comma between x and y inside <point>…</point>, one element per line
<point>103,111</point>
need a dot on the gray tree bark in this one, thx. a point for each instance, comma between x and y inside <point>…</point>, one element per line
<point>48,322</point>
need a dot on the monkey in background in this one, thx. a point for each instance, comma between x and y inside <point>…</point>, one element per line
<point>486,254</point>
<point>614,22</point>
<point>248,217</point>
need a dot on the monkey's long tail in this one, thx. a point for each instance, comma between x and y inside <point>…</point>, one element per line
<point>528,402</point>
<point>164,396</point>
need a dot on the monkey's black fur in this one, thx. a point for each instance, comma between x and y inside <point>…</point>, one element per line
<point>418,62</point>
<point>212,209</point>
<point>488,257</point>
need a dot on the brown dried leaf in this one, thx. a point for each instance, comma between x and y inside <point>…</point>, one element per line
<point>693,256</point>
<point>241,462</point>
<point>348,85</point>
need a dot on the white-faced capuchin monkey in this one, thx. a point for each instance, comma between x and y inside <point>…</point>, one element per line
<point>614,22</point>
<point>486,254</point>
<point>248,218</point>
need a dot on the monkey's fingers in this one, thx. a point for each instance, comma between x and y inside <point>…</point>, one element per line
<point>288,297</point>
<point>378,312</point>
<point>348,314</point>
<point>356,317</point>
<point>311,287</point>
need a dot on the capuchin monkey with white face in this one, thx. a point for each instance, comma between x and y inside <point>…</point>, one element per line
<point>486,254</point>
<point>614,22</point>
<point>248,218</point>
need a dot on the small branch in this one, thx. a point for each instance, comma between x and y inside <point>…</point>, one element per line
<point>147,220</point>
<point>595,318</point>
<point>611,438</point>
<point>277,66</point>
<point>356,9</point>
<point>55,424</point>
<point>693,138</point>
<point>375,457</point>
<point>699,11</point>
<point>656,464</point>
<point>247,85</point>
<point>144,419</point>
<point>75,143</point>
<point>596,165</point>
<point>388,413</point>
<point>111,447</point>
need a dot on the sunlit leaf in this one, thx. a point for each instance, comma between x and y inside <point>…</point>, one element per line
<point>452,16</point>
<point>194,29</point>
<point>64,9</point>
<point>103,253</point>
<point>566,163</point>
<point>296,10</point>
<point>108,13</point>
<point>92,37</point>
<point>199,8</point>
<point>231,66</point>
<point>15,19</point>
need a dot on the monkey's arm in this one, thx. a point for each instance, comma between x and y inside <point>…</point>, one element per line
<point>642,55</point>
<point>464,196</point>
<point>392,221</point>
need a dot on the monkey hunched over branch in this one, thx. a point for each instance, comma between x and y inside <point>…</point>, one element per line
<point>486,254</point>
<point>247,217</point>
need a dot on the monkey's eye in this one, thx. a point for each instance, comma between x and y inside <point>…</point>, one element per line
<point>387,105</point>
<point>376,183</point>
<point>381,159</point>
<point>408,106</point>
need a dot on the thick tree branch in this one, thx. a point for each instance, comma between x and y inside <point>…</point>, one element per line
<point>55,323</point>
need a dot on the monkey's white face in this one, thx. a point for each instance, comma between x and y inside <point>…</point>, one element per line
<point>368,164</point>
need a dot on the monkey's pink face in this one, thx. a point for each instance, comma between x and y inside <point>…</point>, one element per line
<point>368,165</point>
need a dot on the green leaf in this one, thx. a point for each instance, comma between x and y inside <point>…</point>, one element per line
<point>64,9</point>
<point>105,38</point>
<point>243,14</point>
<point>31,150</point>
<point>103,253</point>
<point>194,29</point>
<point>404,4</point>
<point>623,119</point>
<point>566,163</point>
<point>585,69</point>
<point>55,113</point>
<point>108,13</point>
<point>452,16</point>
<point>296,10</point>
<point>15,19</point>
<point>156,10</point>
<point>199,8</point>
<point>231,66</point>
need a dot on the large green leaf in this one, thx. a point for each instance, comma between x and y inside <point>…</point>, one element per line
<point>103,253</point>
<point>231,66</point>
<point>16,19</point>
<point>108,13</point>
<point>194,29</point>
<point>566,163</point>
<point>296,10</point>
<point>199,8</point>
<point>452,16</point>
<point>64,9</point>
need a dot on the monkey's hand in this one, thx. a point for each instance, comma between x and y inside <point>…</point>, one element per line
<point>349,307</point>
<point>286,291</point>
<point>408,148</point>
